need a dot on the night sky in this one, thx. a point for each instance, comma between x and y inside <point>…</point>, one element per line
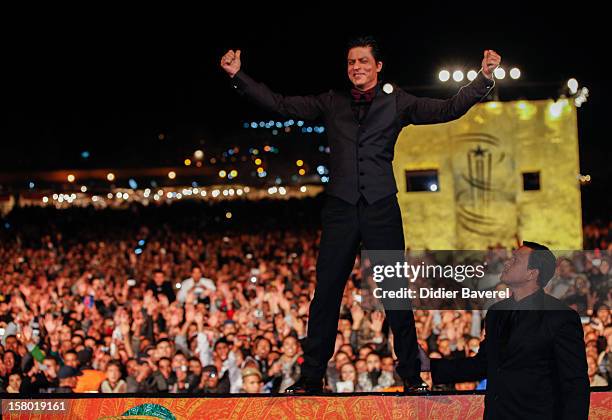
<point>112,87</point>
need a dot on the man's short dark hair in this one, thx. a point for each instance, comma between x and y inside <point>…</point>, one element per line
<point>542,259</point>
<point>366,41</point>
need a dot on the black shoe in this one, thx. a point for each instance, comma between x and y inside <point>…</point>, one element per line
<point>415,386</point>
<point>306,386</point>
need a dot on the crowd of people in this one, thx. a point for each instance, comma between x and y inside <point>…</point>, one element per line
<point>182,299</point>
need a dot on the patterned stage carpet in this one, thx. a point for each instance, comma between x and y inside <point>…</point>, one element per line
<point>367,407</point>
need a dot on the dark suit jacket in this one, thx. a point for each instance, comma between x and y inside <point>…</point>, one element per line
<point>537,371</point>
<point>362,153</point>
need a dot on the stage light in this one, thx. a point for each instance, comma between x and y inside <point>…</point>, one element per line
<point>303,188</point>
<point>133,184</point>
<point>457,75</point>
<point>45,199</point>
<point>282,191</point>
<point>222,174</point>
<point>499,73</point>
<point>515,73</point>
<point>472,75</point>
<point>216,193</point>
<point>83,189</point>
<point>187,162</point>
<point>126,196</point>
<point>572,84</point>
<point>198,154</point>
<point>55,196</point>
<point>254,125</point>
<point>444,76</point>
<point>85,154</point>
<point>171,174</point>
<point>234,173</point>
<point>260,170</point>
<point>300,163</point>
<point>247,189</point>
<point>239,192</point>
<point>302,172</point>
<point>300,123</point>
<point>203,193</point>
<point>109,196</point>
<point>119,195</point>
<point>228,215</point>
<point>433,187</point>
<point>71,178</point>
<point>555,109</point>
<point>110,176</point>
<point>147,193</point>
<point>95,198</point>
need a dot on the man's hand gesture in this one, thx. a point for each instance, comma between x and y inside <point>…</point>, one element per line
<point>490,62</point>
<point>230,62</point>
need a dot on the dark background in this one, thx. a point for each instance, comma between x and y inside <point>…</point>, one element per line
<point>112,86</point>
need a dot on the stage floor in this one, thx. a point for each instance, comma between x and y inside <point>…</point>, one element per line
<point>372,406</point>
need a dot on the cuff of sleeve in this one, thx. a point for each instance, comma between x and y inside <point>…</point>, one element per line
<point>483,81</point>
<point>239,81</point>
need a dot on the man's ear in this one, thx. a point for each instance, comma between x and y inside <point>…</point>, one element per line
<point>534,273</point>
<point>379,65</point>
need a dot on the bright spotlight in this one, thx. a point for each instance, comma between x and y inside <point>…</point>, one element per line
<point>444,76</point>
<point>515,73</point>
<point>499,73</point>
<point>457,75</point>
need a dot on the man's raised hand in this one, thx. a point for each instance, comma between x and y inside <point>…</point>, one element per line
<point>490,62</point>
<point>230,62</point>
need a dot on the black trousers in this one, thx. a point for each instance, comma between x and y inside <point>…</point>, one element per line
<point>378,226</point>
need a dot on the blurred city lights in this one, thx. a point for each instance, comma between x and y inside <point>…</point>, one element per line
<point>71,178</point>
<point>171,174</point>
<point>110,176</point>
<point>444,76</point>
<point>572,84</point>
<point>515,73</point>
<point>472,75</point>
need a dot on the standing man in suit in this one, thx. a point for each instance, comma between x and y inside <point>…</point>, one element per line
<point>361,207</point>
<point>533,356</point>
